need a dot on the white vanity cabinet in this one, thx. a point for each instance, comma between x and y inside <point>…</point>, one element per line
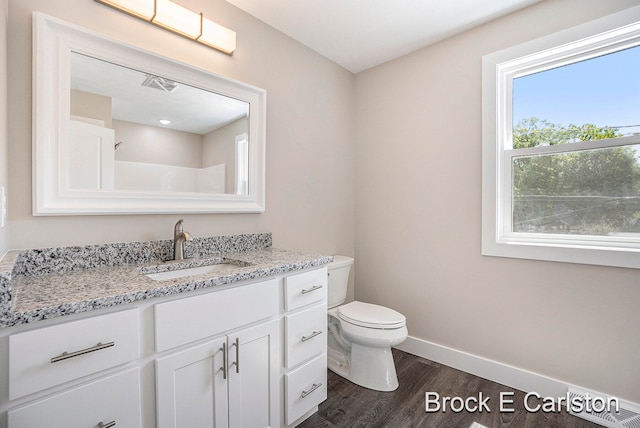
<point>305,377</point>
<point>228,381</point>
<point>250,354</point>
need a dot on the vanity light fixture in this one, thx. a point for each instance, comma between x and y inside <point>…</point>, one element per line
<point>180,20</point>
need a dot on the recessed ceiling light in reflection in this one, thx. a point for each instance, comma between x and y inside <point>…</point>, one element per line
<point>164,121</point>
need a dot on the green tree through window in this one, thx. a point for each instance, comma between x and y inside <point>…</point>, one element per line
<point>584,192</point>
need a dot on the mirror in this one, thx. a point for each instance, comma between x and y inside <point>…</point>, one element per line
<point>120,130</point>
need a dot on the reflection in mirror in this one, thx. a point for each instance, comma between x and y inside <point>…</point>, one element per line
<point>136,131</point>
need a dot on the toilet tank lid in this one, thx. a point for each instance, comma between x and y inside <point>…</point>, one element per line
<point>340,261</point>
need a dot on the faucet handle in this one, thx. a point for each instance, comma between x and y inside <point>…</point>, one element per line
<point>178,227</point>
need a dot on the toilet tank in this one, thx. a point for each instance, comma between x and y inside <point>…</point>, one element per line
<point>338,279</point>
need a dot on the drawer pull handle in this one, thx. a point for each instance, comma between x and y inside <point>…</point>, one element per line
<point>107,425</point>
<point>311,336</point>
<point>313,388</point>
<point>224,360</point>
<point>314,288</point>
<point>237,362</point>
<point>66,355</point>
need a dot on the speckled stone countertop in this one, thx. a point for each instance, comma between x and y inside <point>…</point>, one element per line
<point>48,283</point>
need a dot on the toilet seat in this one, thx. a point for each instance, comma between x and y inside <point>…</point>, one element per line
<point>371,316</point>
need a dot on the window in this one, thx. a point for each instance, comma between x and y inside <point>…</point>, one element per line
<point>561,146</point>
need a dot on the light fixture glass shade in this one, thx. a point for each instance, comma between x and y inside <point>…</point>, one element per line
<point>177,18</point>
<point>217,36</point>
<point>139,8</point>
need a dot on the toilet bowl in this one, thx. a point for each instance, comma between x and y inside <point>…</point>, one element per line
<point>361,334</point>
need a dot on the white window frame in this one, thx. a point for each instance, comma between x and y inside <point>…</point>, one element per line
<point>596,38</point>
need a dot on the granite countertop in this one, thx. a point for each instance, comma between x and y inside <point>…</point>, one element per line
<point>48,283</point>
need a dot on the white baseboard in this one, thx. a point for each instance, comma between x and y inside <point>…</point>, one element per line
<point>504,374</point>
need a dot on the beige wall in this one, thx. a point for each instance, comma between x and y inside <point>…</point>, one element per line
<point>220,147</point>
<point>310,166</point>
<point>91,106</point>
<point>418,222</point>
<point>158,145</point>
<point>4,163</point>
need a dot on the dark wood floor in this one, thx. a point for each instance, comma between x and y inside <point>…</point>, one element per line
<point>349,405</point>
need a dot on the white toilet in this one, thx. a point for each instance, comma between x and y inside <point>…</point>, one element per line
<point>361,334</point>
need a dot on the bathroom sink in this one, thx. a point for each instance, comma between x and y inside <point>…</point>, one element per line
<point>217,268</point>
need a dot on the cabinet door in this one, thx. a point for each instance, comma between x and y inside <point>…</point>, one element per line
<point>254,386</point>
<point>191,389</point>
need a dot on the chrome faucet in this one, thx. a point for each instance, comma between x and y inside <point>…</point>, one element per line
<point>179,238</point>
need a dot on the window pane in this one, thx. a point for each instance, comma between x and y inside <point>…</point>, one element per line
<point>591,99</point>
<point>589,192</point>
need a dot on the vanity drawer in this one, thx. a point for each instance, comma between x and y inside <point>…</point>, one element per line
<point>182,321</point>
<point>305,288</point>
<point>306,335</point>
<point>305,388</point>
<point>113,399</point>
<point>37,358</point>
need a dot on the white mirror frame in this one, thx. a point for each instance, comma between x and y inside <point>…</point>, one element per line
<point>54,40</point>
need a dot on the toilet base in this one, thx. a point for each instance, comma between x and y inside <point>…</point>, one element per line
<point>369,367</point>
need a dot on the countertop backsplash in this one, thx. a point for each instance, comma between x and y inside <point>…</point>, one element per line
<point>69,259</point>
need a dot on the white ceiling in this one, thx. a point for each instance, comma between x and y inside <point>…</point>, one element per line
<point>190,109</point>
<point>360,34</point>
